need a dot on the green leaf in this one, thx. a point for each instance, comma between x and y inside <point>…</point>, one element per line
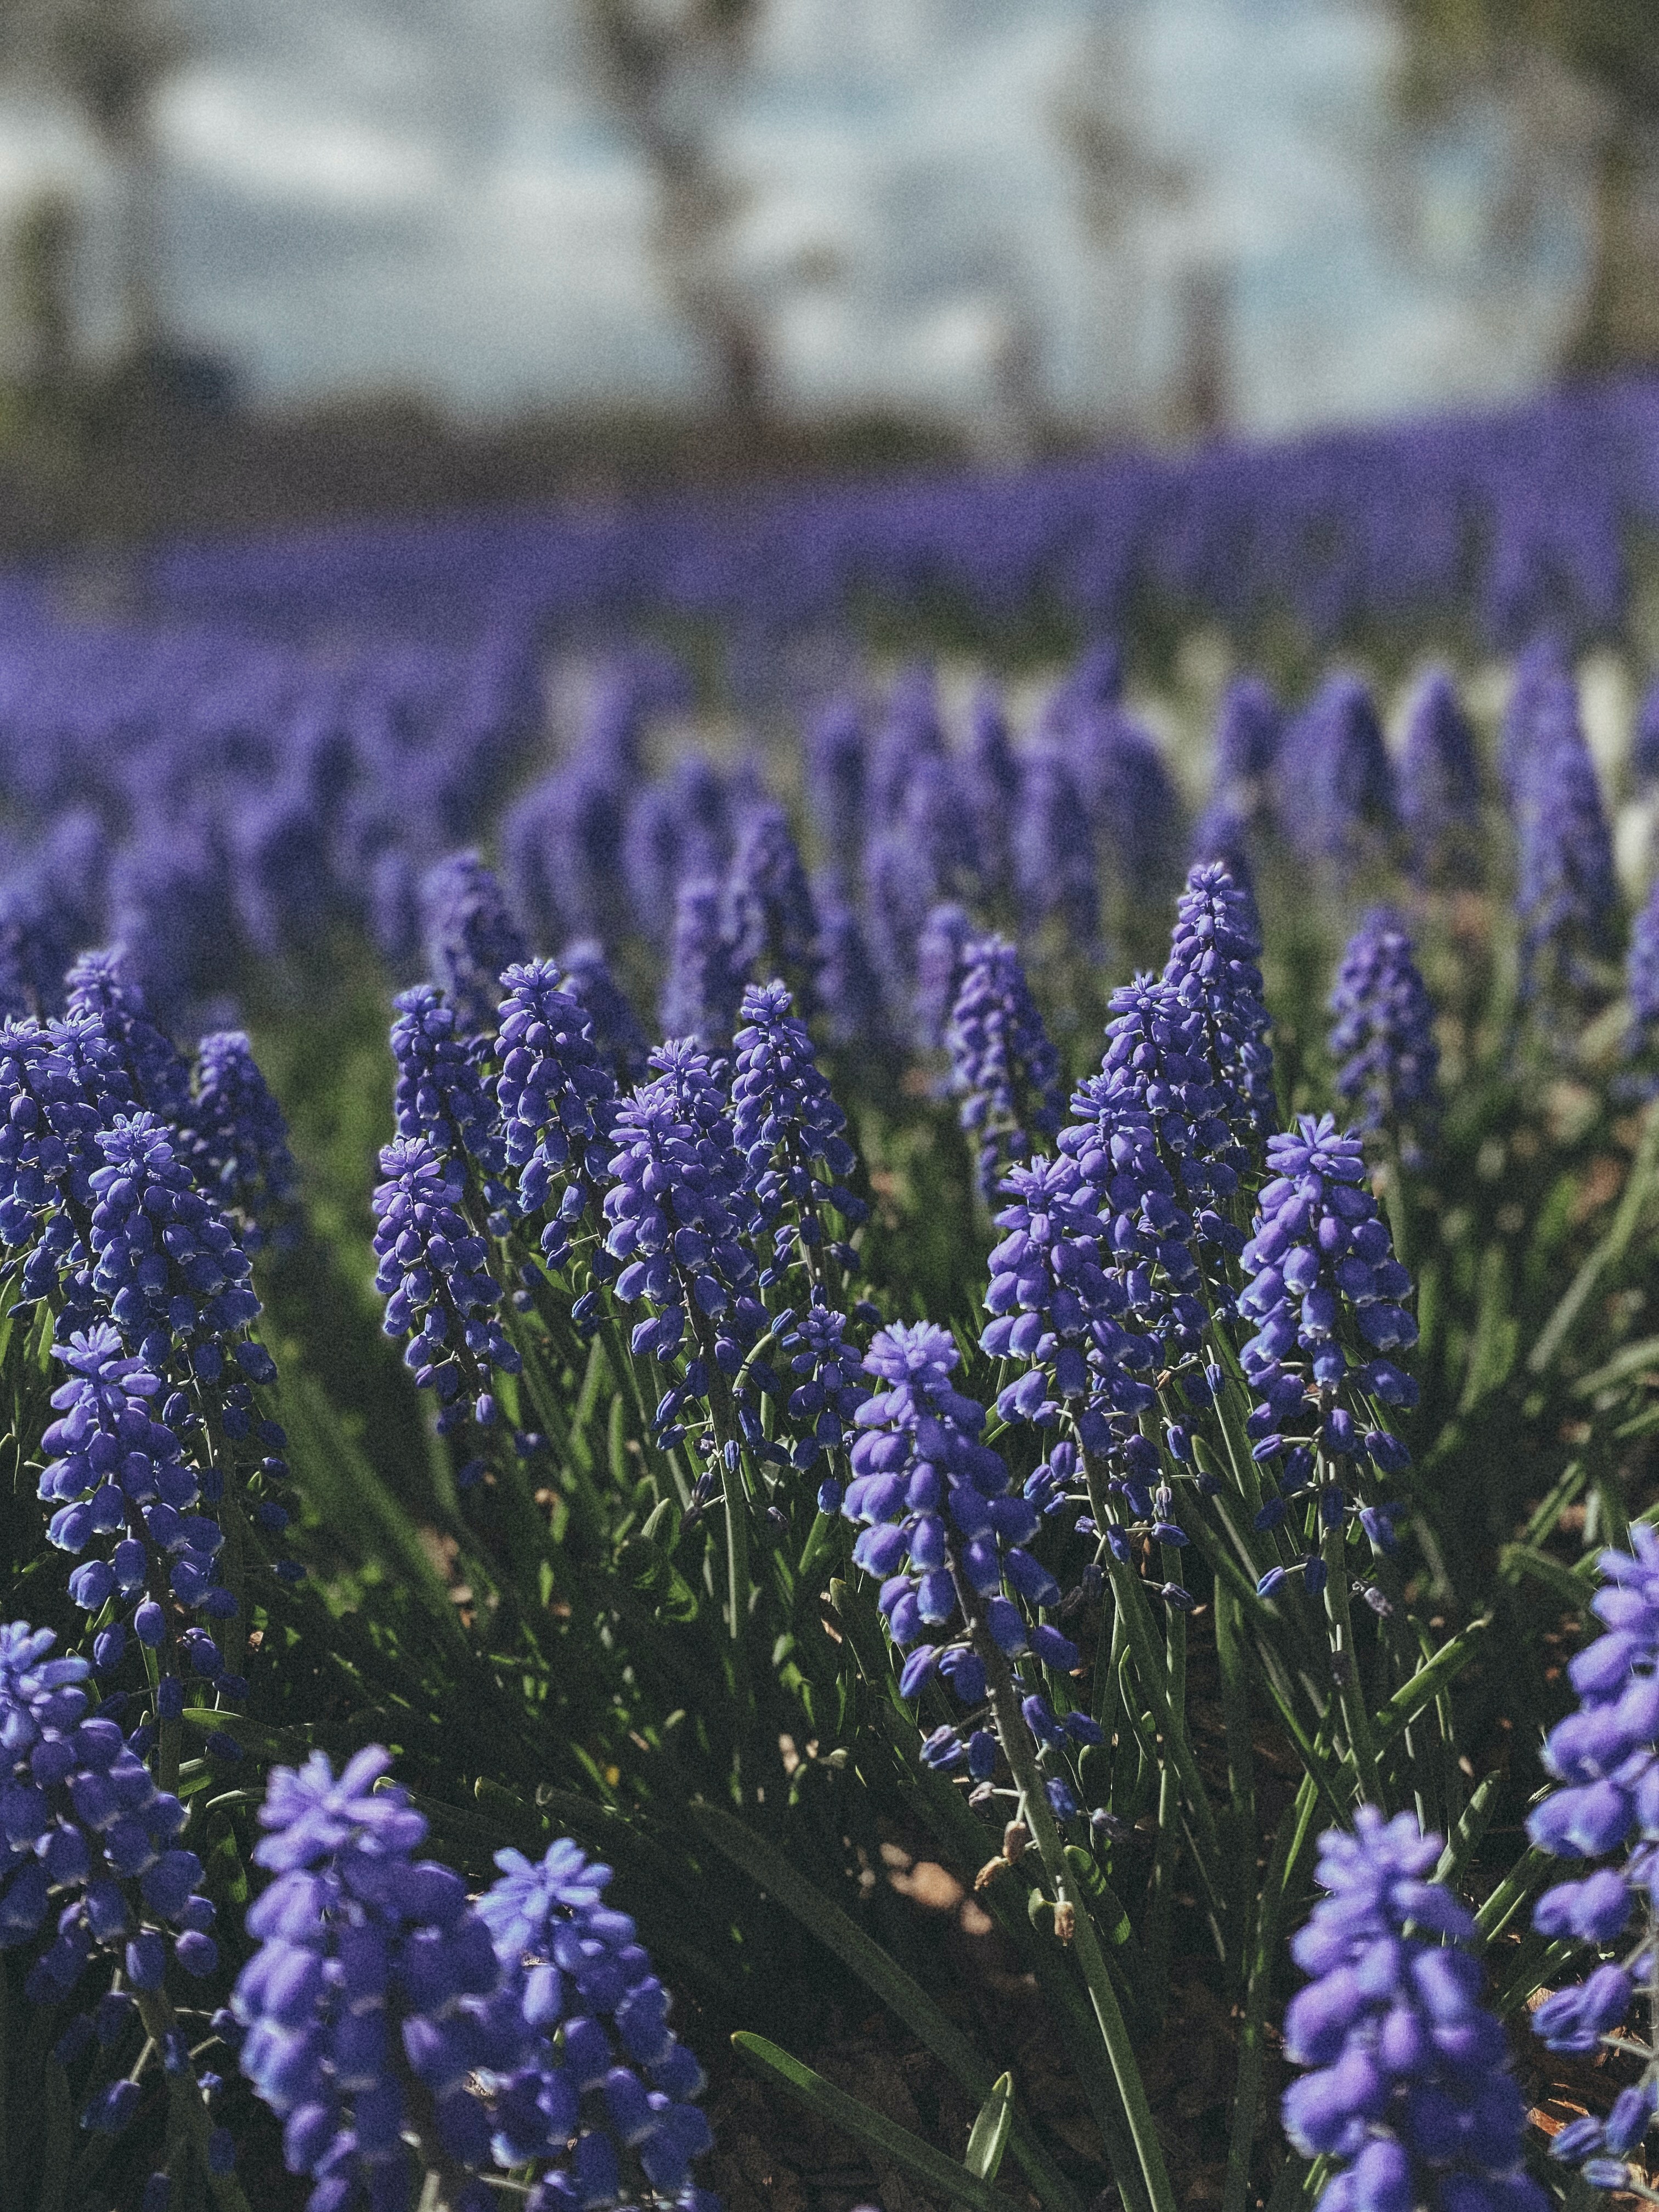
<point>1430,1679</point>
<point>845,1940</point>
<point>1465,1838</point>
<point>873,2130</point>
<point>988,2137</point>
<point>648,1568</point>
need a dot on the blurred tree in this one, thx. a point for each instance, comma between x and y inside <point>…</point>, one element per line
<point>666,69</point>
<point>109,58</point>
<point>1538,55</point>
<point>1099,116</point>
<point>43,255</point>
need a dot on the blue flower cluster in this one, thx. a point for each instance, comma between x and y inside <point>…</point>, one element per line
<point>829,1386</point>
<point>1159,1071</point>
<point>166,1265</point>
<point>557,1097</point>
<point>439,1091</point>
<point>1567,896</point>
<point>941,947</point>
<point>701,984</point>
<point>943,1529</point>
<point>398,2029</point>
<point>679,1213</point>
<point>1212,968</point>
<point>116,1477</point>
<point>89,1843</point>
<point>433,1273</point>
<point>770,923</point>
<point>59,1085</point>
<point>788,1127</point>
<point>1057,1300</point>
<point>618,1037</point>
<point>471,937</point>
<point>1412,2095</point>
<point>239,1148</point>
<point>1440,788</point>
<point>608,2081</point>
<point>1605,1759</point>
<point>1382,1039</point>
<point>1002,1068</point>
<point>1324,1292</point>
<point>157,1077</point>
<point>1642,990</point>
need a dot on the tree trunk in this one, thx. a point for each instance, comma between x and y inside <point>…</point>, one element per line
<point>1619,322</point>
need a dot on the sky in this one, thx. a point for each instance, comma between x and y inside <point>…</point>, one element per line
<point>427,196</point>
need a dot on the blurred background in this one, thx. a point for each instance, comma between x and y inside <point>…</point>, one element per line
<point>354,256</point>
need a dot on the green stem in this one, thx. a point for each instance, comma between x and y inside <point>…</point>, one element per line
<point>189,2106</point>
<point>1344,1663</point>
<point>1151,1667</point>
<point>1038,1816</point>
<point>1241,1760</point>
<point>1295,1826</point>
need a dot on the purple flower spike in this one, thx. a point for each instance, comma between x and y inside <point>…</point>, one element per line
<point>1410,2091</point>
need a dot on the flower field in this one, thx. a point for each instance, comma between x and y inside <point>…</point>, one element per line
<point>817,1441</point>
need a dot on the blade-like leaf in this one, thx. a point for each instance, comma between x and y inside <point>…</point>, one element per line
<point>878,2133</point>
<point>989,2136</point>
<point>841,1935</point>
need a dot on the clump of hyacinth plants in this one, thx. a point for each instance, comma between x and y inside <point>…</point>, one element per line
<point>789,1519</point>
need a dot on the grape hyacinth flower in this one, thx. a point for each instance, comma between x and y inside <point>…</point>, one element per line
<point>990,775</point>
<point>439,1092</point>
<point>702,986</point>
<point>1642,990</point>
<point>1003,1068</point>
<point>1054,881</point>
<point>471,937</point>
<point>89,1848</point>
<point>1382,1039</point>
<point>239,1147</point>
<point>1336,787</point>
<point>835,781</point>
<point>167,1267</point>
<point>55,1096</point>
<point>1056,1305</point>
<point>381,2019</point>
<point>617,1035</point>
<point>939,949</point>
<point>1604,1758</point>
<point>1247,734</point>
<point>1173,1232</point>
<point>895,909</point>
<point>940,826</point>
<point>849,988</point>
<point>1567,896</point>
<point>117,1482</point>
<point>578,1972</point>
<point>1440,788</point>
<point>942,1528</point>
<point>679,1213</point>
<point>787,1125</point>
<point>1132,805</point>
<point>767,918</point>
<point>1412,2093</point>
<point>433,1273</point>
<point>829,1386</point>
<point>1323,1290</point>
<point>157,1077</point>
<point>1211,967</point>
<point>557,1097</point>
